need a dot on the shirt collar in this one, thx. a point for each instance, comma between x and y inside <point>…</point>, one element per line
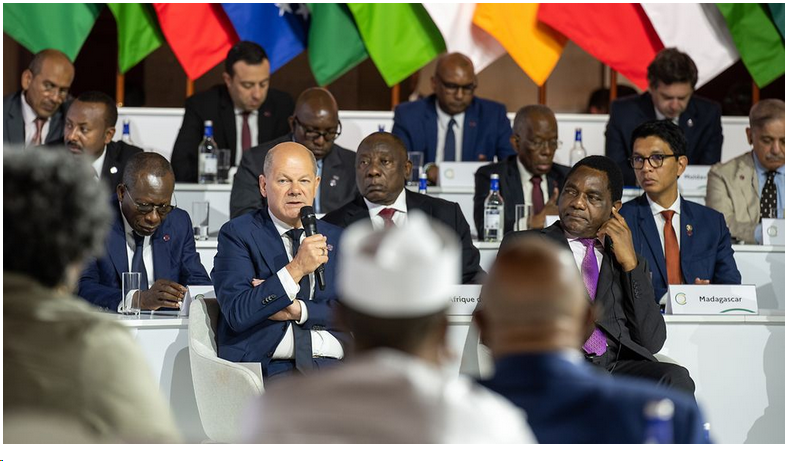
<point>443,118</point>
<point>129,232</point>
<point>28,114</point>
<point>281,226</point>
<point>241,111</point>
<point>656,208</point>
<point>526,174</point>
<point>659,115</point>
<point>98,164</point>
<point>398,205</point>
<point>761,170</point>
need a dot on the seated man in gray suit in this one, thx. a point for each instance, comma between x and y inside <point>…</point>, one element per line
<point>315,124</point>
<point>34,115</point>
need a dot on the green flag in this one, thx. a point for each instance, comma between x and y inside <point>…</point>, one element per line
<point>138,33</point>
<point>778,12</point>
<point>757,40</point>
<point>62,26</point>
<point>400,37</point>
<point>334,44</point>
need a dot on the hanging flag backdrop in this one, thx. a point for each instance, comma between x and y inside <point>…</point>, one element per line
<point>38,26</point>
<point>280,28</point>
<point>138,33</point>
<point>334,44</point>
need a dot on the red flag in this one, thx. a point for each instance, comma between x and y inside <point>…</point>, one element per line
<point>618,34</point>
<point>200,34</point>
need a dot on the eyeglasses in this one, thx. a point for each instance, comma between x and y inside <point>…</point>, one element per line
<point>656,160</point>
<point>313,134</point>
<point>454,87</point>
<point>552,144</point>
<point>146,208</point>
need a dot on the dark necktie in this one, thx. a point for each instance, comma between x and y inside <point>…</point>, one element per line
<point>39,131</point>
<point>449,142</point>
<point>596,343</point>
<point>537,200</point>
<point>768,203</point>
<point>673,270</point>
<point>302,341</point>
<point>387,214</point>
<point>246,135</point>
<point>138,265</point>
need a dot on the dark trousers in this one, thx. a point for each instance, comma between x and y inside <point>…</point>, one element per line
<point>277,369</point>
<point>628,363</point>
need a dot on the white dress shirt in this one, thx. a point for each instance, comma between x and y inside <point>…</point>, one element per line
<point>29,117</point>
<point>659,115</point>
<point>660,222</point>
<point>324,344</point>
<point>443,125</point>
<point>147,254</point>
<point>252,120</point>
<point>98,164</point>
<point>528,186</point>
<point>400,218</point>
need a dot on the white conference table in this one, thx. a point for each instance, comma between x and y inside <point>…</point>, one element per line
<point>737,362</point>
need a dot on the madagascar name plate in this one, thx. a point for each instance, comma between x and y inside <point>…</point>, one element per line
<point>712,300</point>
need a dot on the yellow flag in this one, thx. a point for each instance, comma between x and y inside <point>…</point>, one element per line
<point>534,46</point>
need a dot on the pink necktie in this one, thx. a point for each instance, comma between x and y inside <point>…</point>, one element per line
<point>39,128</point>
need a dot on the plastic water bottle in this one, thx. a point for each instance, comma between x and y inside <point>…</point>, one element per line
<point>207,156</point>
<point>423,183</point>
<point>493,228</point>
<point>577,152</point>
<point>659,424</point>
<point>126,136</point>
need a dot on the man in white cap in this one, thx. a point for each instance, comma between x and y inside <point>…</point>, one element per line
<point>394,286</point>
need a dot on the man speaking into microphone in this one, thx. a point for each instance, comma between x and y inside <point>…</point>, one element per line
<point>274,274</point>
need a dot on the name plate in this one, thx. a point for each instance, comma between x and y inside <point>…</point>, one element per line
<point>464,299</point>
<point>712,300</point>
<point>458,174</point>
<point>694,180</point>
<point>773,231</point>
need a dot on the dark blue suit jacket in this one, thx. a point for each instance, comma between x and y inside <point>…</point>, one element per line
<point>701,124</point>
<point>250,247</point>
<point>174,258</point>
<point>568,402</point>
<point>486,129</point>
<point>705,244</point>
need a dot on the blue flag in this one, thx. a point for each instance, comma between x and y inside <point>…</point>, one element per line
<point>280,28</point>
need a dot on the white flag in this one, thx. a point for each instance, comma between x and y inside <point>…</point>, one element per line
<point>698,30</point>
<point>462,36</point>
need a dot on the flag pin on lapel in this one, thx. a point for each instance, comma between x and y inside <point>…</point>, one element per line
<point>689,230</point>
<point>329,247</point>
<point>690,123</point>
<point>113,170</point>
<point>472,124</point>
<point>333,181</point>
<point>166,237</point>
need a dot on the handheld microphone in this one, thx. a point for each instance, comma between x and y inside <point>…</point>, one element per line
<point>309,222</point>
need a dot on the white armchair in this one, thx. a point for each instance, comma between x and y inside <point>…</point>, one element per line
<point>223,389</point>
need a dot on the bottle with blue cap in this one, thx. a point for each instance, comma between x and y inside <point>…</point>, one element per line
<point>423,183</point>
<point>207,160</point>
<point>126,136</point>
<point>493,218</point>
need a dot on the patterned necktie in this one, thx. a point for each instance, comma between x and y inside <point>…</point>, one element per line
<point>246,135</point>
<point>596,343</point>
<point>537,200</point>
<point>138,265</point>
<point>387,214</point>
<point>39,129</point>
<point>302,341</point>
<point>449,142</point>
<point>768,203</point>
<point>673,269</point>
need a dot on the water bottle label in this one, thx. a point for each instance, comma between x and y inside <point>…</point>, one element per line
<point>492,219</point>
<point>208,165</point>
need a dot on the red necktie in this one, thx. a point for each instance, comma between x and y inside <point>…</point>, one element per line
<point>537,200</point>
<point>39,128</point>
<point>673,269</point>
<point>246,135</point>
<point>387,214</point>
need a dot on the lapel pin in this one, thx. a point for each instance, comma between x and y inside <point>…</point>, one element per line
<point>690,123</point>
<point>166,237</point>
<point>472,124</point>
<point>742,177</point>
<point>266,113</point>
<point>113,170</point>
<point>330,247</point>
<point>333,182</point>
<point>689,230</point>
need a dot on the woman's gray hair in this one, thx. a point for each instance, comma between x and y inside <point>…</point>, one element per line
<point>55,212</point>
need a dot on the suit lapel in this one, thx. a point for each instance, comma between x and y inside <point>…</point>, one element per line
<point>16,123</point>
<point>414,202</point>
<point>330,176</point>
<point>110,162</point>
<point>470,138</point>
<point>750,195</point>
<point>431,128</point>
<point>269,242</point>
<point>686,231</point>
<point>649,231</point>
<point>161,246</point>
<point>55,126</point>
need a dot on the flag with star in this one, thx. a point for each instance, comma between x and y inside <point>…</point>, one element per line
<point>280,28</point>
